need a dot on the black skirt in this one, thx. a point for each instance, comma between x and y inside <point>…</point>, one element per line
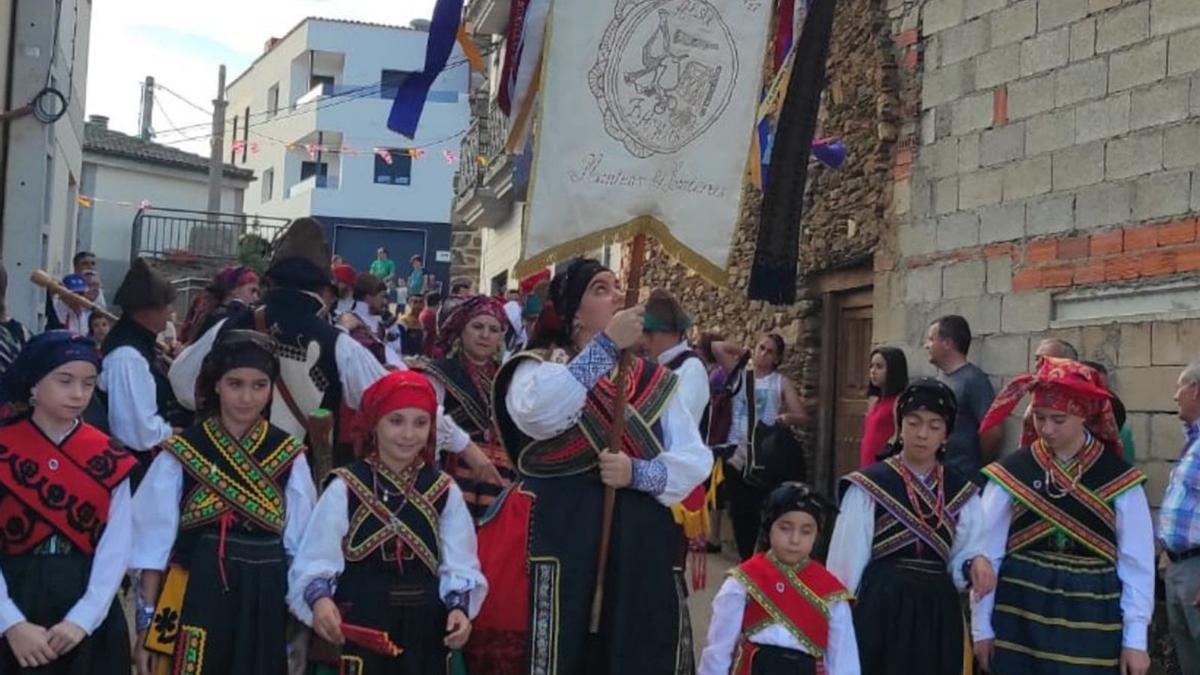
<point>45,588</point>
<point>770,660</point>
<point>1057,614</point>
<point>644,623</point>
<point>233,621</point>
<point>407,606</point>
<point>909,620</point>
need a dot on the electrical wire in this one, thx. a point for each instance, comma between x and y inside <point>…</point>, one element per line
<point>158,104</point>
<point>177,95</point>
<point>322,103</point>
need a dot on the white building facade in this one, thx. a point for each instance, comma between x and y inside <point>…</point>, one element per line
<point>309,118</point>
<point>43,45</point>
<point>122,173</point>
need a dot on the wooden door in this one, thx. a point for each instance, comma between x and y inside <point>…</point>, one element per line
<point>852,346</point>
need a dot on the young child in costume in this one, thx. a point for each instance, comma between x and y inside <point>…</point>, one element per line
<point>65,505</point>
<point>1068,527</point>
<point>909,537</point>
<point>225,503</point>
<point>780,612</point>
<point>390,547</point>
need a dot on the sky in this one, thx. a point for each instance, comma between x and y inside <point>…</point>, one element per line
<point>181,44</point>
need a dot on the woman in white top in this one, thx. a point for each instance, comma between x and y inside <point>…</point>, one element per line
<point>776,402</point>
<point>540,544</point>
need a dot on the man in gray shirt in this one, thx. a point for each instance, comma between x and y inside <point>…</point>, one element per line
<point>948,341</point>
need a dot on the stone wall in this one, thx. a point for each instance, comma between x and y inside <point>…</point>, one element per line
<point>1052,190</point>
<point>466,250</point>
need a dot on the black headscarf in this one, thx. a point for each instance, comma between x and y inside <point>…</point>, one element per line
<point>923,393</point>
<point>41,356</point>
<point>793,496</point>
<point>566,295</point>
<point>234,349</point>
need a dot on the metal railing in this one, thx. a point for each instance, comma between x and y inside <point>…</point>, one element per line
<point>482,145</point>
<point>180,234</point>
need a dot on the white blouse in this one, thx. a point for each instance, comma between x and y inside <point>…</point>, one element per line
<point>320,553</point>
<point>693,380</point>
<point>850,548</point>
<point>109,563</point>
<point>1135,561</point>
<point>545,400</point>
<point>357,370</point>
<point>725,628</point>
<point>156,510</point>
<point>132,404</point>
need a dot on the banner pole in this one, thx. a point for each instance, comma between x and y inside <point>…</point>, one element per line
<point>617,431</point>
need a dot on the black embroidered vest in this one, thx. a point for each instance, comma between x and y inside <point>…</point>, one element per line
<point>394,518</point>
<point>243,483</point>
<point>903,529</point>
<point>1080,518</point>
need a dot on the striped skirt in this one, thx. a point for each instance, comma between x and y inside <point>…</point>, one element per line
<point>1057,614</point>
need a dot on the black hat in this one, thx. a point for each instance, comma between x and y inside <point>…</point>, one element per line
<point>301,256</point>
<point>43,354</point>
<point>143,288</point>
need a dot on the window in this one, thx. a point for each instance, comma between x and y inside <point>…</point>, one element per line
<point>390,81</point>
<point>268,185</point>
<point>325,82</point>
<point>272,101</point>
<point>318,169</point>
<point>398,172</point>
<point>500,284</point>
<point>233,151</point>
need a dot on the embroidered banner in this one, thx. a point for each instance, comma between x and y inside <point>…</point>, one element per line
<point>646,120</point>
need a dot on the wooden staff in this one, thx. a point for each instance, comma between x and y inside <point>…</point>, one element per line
<point>41,278</point>
<point>616,433</point>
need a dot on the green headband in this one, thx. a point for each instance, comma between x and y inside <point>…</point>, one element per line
<point>652,324</point>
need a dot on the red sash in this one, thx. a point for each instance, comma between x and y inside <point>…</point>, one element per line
<point>66,489</point>
<point>798,601</point>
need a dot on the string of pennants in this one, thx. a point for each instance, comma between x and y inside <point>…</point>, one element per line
<point>388,155</point>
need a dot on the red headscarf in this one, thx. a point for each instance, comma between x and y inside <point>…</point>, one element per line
<point>344,274</point>
<point>479,305</point>
<point>1065,386</point>
<point>397,390</point>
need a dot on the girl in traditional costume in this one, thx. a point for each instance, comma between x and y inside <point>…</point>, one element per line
<point>1068,527</point>
<point>225,502</point>
<point>390,548</point>
<point>65,505</point>
<point>472,336</point>
<point>781,612</point>
<point>909,537</point>
<point>540,545</point>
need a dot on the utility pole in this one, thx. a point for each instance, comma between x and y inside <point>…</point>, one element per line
<point>216,165</point>
<point>147,109</point>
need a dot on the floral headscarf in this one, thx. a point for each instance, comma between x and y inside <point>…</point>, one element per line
<point>480,305</point>
<point>1066,386</point>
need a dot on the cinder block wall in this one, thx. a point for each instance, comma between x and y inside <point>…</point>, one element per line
<point>1052,190</point>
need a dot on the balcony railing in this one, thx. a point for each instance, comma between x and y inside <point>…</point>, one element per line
<point>178,234</point>
<point>482,146</point>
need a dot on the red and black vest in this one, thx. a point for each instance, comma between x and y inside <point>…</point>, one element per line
<point>64,489</point>
<point>468,395</point>
<point>1064,507</point>
<point>798,600</point>
<point>576,450</point>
